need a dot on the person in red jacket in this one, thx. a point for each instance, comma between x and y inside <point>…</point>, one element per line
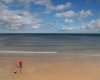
<point>20,63</point>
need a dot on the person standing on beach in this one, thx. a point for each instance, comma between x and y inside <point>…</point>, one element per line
<point>20,63</point>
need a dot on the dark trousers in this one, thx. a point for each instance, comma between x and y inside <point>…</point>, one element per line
<point>20,65</point>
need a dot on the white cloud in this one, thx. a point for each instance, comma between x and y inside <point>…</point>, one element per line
<point>47,3</point>
<point>69,21</point>
<point>50,7</point>
<point>81,14</point>
<point>66,14</point>
<point>92,25</point>
<point>63,6</point>
<point>18,20</point>
<point>67,28</point>
<point>60,7</point>
<point>68,5</point>
<point>43,2</point>
<point>2,6</point>
<point>84,14</point>
<point>22,3</point>
<point>15,1</point>
<point>7,1</point>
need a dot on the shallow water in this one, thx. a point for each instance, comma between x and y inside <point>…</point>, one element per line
<point>50,42</point>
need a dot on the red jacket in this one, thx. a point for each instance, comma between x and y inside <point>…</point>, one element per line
<point>20,62</point>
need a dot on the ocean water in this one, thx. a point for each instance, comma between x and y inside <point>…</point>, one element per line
<point>61,43</point>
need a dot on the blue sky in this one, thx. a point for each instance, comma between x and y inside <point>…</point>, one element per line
<point>49,16</point>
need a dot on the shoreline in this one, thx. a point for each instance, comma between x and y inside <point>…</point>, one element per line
<point>59,53</point>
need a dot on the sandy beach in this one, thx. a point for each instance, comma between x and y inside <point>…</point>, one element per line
<point>49,67</point>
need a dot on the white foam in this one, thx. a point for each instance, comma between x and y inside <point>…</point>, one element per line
<point>35,52</point>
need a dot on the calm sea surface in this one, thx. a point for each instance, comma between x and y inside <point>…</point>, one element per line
<point>50,42</point>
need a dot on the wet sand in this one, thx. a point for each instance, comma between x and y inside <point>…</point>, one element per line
<point>50,67</point>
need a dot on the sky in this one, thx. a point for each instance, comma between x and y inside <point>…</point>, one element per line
<point>49,16</point>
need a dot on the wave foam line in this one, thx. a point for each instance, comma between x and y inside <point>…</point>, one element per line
<point>95,55</point>
<point>48,52</point>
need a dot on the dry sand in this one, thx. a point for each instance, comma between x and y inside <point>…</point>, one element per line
<point>50,67</point>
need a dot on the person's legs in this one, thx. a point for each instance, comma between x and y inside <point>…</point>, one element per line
<point>20,65</point>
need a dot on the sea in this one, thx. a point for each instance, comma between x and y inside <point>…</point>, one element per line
<point>51,42</point>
